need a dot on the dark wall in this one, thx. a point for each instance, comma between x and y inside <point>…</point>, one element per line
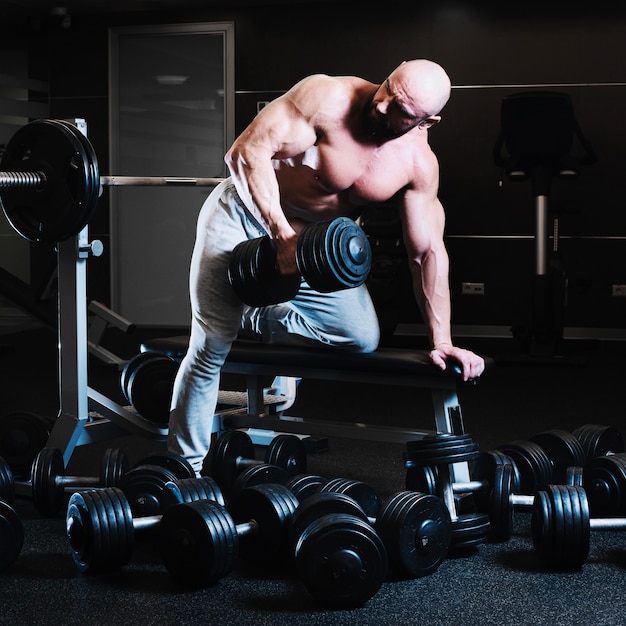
<point>489,53</point>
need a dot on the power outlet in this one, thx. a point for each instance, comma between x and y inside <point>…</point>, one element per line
<point>473,289</point>
<point>619,291</point>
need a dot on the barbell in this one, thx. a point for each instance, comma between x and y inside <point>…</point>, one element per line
<point>50,181</point>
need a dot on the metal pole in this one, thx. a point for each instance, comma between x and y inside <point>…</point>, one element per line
<point>158,181</point>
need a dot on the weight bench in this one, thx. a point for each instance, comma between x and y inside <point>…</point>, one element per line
<point>263,408</point>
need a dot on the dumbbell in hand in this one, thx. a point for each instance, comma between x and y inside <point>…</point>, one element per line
<point>331,255</point>
<point>100,523</point>
<point>201,541</point>
<point>561,525</point>
<point>49,481</point>
<point>234,453</point>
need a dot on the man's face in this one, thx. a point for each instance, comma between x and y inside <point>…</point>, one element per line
<point>391,114</point>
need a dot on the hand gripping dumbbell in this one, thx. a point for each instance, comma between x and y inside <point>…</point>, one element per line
<point>414,527</point>
<point>331,255</point>
<point>101,526</point>
<point>441,451</point>
<point>561,525</point>
<point>11,526</point>
<point>201,541</point>
<point>49,480</point>
<point>233,454</point>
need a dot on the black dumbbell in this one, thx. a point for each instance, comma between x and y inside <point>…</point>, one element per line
<point>101,527</point>
<point>331,255</point>
<point>11,526</point>
<point>415,528</point>
<point>234,453</point>
<point>564,450</point>
<point>535,468</point>
<point>341,560</point>
<point>604,480</point>
<point>201,541</point>
<point>144,484</point>
<point>441,451</point>
<point>147,381</point>
<point>561,525</point>
<point>49,480</point>
<point>599,440</point>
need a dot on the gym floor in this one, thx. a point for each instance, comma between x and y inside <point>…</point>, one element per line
<point>493,583</point>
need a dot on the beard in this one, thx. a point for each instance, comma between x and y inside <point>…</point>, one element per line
<point>376,126</point>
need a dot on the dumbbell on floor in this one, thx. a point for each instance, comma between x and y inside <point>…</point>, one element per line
<point>201,541</point>
<point>415,528</point>
<point>331,255</point>
<point>49,481</point>
<point>100,524</point>
<point>442,451</point>
<point>234,453</point>
<point>561,525</point>
<point>11,525</point>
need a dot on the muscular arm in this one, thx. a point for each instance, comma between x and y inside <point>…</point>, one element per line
<point>423,227</point>
<point>286,127</point>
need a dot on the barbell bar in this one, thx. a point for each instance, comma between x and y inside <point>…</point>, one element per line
<point>50,181</point>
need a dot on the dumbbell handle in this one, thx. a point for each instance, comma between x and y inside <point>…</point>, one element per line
<point>76,481</point>
<point>150,521</point>
<point>473,486</point>
<point>607,523</point>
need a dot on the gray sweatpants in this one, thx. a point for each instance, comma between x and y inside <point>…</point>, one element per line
<point>342,319</point>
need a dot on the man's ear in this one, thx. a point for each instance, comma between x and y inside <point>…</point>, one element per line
<point>430,121</point>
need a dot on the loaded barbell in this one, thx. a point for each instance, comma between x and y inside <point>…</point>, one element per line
<point>50,181</point>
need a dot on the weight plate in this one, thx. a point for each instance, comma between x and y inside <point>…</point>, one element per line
<point>143,486</point>
<point>318,505</point>
<point>604,480</point>
<point>224,461</point>
<point>421,479</point>
<point>198,542</point>
<point>7,482</point>
<point>22,436</point>
<point>500,509</point>
<point>254,275</point>
<point>542,525</point>
<point>469,529</point>
<point>417,532</point>
<point>288,452</point>
<point>130,367</point>
<point>341,561</point>
<point>64,205</point>
<point>11,535</point>
<point>150,387</point>
<point>599,440</point>
<point>175,463</point>
<point>366,496</point>
<point>261,474</point>
<point>535,468</point>
<point>190,490</point>
<point>563,449</point>
<point>114,465</point>
<point>305,485</point>
<point>48,494</point>
<point>271,507</point>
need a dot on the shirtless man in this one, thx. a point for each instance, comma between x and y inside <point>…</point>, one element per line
<point>326,148</point>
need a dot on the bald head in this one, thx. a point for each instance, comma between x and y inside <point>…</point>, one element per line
<point>424,83</point>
